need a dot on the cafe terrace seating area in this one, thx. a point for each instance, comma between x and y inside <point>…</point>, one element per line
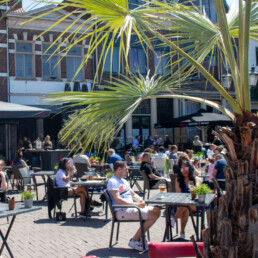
<point>39,234</point>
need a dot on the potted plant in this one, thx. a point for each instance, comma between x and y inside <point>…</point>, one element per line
<point>109,175</point>
<point>28,199</point>
<point>194,192</point>
<point>202,190</point>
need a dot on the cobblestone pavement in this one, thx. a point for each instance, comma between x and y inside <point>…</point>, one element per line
<point>35,235</point>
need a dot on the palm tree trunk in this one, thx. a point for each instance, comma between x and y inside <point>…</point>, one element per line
<point>233,227</point>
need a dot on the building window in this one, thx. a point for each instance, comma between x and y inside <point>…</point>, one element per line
<point>73,62</point>
<point>49,63</point>
<point>115,61</point>
<point>191,108</point>
<point>24,60</point>
<point>189,49</point>
<point>210,63</point>
<point>161,60</point>
<point>135,3</point>
<point>163,105</point>
<point>141,120</point>
<point>143,108</point>
<point>137,60</point>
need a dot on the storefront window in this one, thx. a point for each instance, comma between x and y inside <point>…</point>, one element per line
<point>143,108</point>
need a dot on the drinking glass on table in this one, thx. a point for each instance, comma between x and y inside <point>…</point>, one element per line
<point>191,185</point>
<point>162,188</point>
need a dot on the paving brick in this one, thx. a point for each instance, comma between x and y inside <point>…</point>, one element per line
<point>34,235</point>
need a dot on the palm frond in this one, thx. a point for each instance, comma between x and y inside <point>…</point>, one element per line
<point>107,111</point>
<point>188,33</point>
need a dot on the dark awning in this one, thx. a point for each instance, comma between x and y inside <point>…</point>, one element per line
<point>14,111</point>
<point>201,118</point>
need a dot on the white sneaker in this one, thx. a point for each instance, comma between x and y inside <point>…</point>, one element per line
<point>137,245</point>
<point>182,236</point>
<point>173,221</point>
<point>146,242</point>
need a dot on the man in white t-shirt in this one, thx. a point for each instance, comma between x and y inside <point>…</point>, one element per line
<point>81,158</point>
<point>210,151</point>
<point>122,194</point>
<point>161,153</point>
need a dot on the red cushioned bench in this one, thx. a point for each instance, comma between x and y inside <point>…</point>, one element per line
<point>173,249</point>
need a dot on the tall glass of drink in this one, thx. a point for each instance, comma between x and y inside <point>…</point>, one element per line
<point>162,188</point>
<point>190,186</point>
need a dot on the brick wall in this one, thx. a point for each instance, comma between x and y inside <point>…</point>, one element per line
<point>89,70</point>
<point>3,24</point>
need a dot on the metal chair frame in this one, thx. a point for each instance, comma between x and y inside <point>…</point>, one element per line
<point>60,201</point>
<point>81,169</point>
<point>26,180</point>
<point>146,183</point>
<point>115,220</point>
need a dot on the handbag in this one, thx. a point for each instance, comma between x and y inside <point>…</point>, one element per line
<point>61,216</point>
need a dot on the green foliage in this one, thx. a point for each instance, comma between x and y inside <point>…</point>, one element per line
<point>183,29</point>
<point>27,195</point>
<point>194,190</point>
<point>81,135</point>
<point>109,174</point>
<point>201,189</point>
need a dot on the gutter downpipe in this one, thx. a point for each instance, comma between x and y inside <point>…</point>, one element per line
<point>7,127</point>
<point>7,57</point>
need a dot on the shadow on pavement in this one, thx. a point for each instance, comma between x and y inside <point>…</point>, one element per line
<point>72,222</point>
<point>117,252</point>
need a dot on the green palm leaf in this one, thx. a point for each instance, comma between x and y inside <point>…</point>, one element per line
<point>107,111</point>
<point>189,33</point>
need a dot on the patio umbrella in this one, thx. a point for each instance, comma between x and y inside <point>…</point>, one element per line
<point>201,118</point>
<point>15,111</point>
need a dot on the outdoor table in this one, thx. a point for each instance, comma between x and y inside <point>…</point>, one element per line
<point>5,212</point>
<point>203,176</point>
<point>43,174</point>
<point>93,184</point>
<point>181,199</point>
<point>100,167</point>
<point>36,169</point>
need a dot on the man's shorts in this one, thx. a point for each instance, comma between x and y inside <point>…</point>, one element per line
<point>133,214</point>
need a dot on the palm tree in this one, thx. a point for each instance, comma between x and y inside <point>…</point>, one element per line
<point>232,228</point>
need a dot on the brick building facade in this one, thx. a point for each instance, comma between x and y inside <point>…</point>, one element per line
<point>29,72</point>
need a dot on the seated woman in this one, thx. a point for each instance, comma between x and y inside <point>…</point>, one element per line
<point>177,166</point>
<point>197,171</point>
<point>184,176</point>
<point>211,168</point>
<point>47,144</point>
<point>63,176</point>
<point>18,159</point>
<point>3,182</point>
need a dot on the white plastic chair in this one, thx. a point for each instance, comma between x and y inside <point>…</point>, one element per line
<point>171,163</point>
<point>159,163</point>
